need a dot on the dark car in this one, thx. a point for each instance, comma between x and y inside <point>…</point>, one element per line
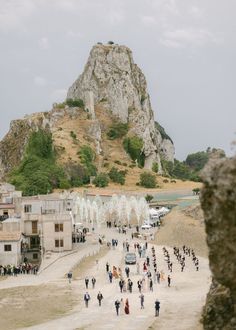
<point>130,258</point>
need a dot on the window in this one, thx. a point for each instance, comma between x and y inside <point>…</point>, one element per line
<point>34,242</point>
<point>35,255</point>
<point>59,243</point>
<point>7,247</point>
<point>28,208</point>
<point>34,227</point>
<point>58,227</point>
<point>5,212</point>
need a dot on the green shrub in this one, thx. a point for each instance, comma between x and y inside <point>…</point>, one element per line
<point>155,167</point>
<point>196,191</point>
<point>148,180</point>
<point>38,172</point>
<point>165,181</point>
<point>124,164</point>
<point>73,135</point>
<point>149,198</point>
<point>143,98</point>
<point>106,165</point>
<point>87,157</point>
<point>61,105</point>
<point>75,103</point>
<point>101,180</point>
<point>117,176</point>
<point>117,162</point>
<point>134,147</point>
<point>117,130</point>
<point>132,165</point>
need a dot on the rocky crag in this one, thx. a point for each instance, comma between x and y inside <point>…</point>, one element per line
<point>113,88</point>
<point>218,201</point>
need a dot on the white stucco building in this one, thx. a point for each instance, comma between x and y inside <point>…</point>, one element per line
<point>10,248</point>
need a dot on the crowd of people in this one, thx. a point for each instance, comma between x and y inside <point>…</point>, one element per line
<point>124,282</point>
<point>147,267</point>
<point>23,268</point>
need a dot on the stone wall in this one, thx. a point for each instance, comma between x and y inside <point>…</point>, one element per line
<point>218,199</point>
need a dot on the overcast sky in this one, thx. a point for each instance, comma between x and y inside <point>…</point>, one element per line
<point>186,49</point>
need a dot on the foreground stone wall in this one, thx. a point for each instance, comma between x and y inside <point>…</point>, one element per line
<point>218,201</point>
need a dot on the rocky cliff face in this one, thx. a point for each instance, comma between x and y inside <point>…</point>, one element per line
<point>112,87</point>
<point>111,76</point>
<point>218,200</point>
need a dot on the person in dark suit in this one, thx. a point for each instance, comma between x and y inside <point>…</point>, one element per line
<point>157,307</point>
<point>86,299</point>
<point>99,298</point>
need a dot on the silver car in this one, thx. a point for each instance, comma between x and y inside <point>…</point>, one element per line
<point>130,258</point>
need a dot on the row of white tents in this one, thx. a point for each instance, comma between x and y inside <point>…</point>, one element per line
<point>157,213</point>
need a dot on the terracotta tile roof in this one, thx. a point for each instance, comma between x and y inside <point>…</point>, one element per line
<point>10,235</point>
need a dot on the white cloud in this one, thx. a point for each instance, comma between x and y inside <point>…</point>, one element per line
<point>188,37</point>
<point>74,34</point>
<point>13,13</point>
<point>196,12</point>
<point>39,81</point>
<point>148,20</point>
<point>43,43</point>
<point>115,17</point>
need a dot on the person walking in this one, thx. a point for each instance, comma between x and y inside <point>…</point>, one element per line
<point>127,270</point>
<point>130,285</point>
<point>86,280</point>
<point>157,307</point>
<point>93,282</point>
<point>107,267</point>
<point>142,300</point>
<point>86,299</point>
<point>117,306</point>
<point>139,285</point>
<point>127,306</point>
<point>150,285</point>
<point>99,298</point>
<point>69,276</point>
<point>158,275</point>
<point>168,280</point>
<point>110,275</point>
<point>121,285</point>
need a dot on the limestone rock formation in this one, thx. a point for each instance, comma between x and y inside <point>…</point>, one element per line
<point>112,87</point>
<point>112,77</point>
<point>218,201</point>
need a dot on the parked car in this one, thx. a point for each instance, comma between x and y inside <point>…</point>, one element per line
<point>146,226</point>
<point>130,258</point>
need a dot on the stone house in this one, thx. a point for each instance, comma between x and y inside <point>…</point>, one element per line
<point>10,200</point>
<point>10,247</point>
<point>47,225</point>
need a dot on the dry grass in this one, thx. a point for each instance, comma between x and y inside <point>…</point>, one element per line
<point>27,306</point>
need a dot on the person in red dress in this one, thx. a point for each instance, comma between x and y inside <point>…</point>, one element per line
<point>127,306</point>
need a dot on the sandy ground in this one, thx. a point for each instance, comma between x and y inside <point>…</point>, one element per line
<point>59,305</point>
<point>179,229</point>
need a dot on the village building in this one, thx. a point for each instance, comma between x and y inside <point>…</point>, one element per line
<point>47,225</point>
<point>10,200</point>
